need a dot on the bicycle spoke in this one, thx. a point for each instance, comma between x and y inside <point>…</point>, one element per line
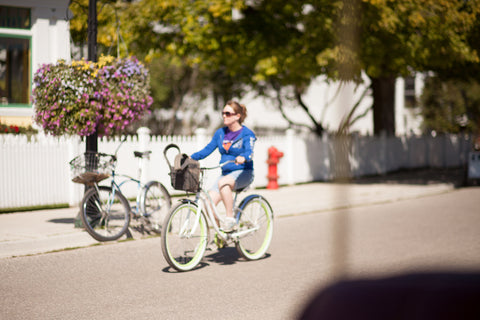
<point>106,214</point>
<point>185,238</point>
<point>255,228</point>
<point>156,203</point>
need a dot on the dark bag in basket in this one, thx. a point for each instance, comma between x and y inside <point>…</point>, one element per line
<point>185,172</point>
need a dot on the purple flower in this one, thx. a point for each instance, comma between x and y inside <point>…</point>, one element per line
<point>64,95</point>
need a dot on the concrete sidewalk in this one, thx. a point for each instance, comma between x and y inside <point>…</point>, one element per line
<point>34,232</point>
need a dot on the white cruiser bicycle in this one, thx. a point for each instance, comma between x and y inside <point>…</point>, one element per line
<point>186,230</point>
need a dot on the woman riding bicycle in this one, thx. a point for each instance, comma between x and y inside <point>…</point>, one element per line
<point>234,142</point>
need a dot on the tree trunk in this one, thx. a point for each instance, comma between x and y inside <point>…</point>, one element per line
<point>317,126</point>
<point>383,105</point>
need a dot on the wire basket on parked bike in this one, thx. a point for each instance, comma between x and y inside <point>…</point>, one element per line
<point>92,167</point>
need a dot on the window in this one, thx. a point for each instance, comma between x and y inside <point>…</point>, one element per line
<point>14,56</point>
<point>410,99</point>
<point>14,70</point>
<point>16,18</point>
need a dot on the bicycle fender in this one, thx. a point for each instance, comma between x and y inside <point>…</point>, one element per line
<point>250,198</point>
<point>189,201</point>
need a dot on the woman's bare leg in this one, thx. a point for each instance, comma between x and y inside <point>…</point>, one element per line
<point>225,185</point>
<point>215,196</point>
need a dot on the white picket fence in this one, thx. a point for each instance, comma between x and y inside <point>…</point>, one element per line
<point>36,172</point>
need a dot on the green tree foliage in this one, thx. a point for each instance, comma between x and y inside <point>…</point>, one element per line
<point>284,44</point>
<point>173,80</point>
<point>267,48</point>
<point>132,28</point>
<point>451,106</point>
<point>110,15</point>
<point>199,34</point>
<point>401,36</point>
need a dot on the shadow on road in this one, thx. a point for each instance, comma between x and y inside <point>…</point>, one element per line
<point>427,176</point>
<point>169,269</point>
<point>225,256</point>
<point>63,220</point>
<point>228,256</point>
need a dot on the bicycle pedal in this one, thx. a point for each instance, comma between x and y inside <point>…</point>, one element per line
<point>219,242</point>
<point>156,228</point>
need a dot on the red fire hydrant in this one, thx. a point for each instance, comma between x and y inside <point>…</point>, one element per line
<point>273,158</point>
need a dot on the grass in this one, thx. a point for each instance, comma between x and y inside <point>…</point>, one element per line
<point>34,208</point>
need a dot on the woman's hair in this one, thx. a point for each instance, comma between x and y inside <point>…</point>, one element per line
<point>238,108</point>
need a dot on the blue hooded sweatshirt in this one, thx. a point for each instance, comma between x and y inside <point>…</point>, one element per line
<point>242,146</point>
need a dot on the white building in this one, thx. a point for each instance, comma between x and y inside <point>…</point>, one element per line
<point>32,32</point>
<point>330,104</point>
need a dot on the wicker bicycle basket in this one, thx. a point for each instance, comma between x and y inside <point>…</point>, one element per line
<point>185,172</point>
<point>92,167</point>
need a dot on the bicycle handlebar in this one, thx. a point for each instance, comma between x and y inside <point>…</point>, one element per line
<point>172,145</point>
<point>218,166</point>
<point>118,148</point>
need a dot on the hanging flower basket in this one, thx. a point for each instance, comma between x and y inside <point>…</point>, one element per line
<point>82,97</point>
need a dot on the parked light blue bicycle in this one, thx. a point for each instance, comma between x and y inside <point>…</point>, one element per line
<point>105,211</point>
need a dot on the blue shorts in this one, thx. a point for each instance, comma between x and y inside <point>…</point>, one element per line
<point>243,178</point>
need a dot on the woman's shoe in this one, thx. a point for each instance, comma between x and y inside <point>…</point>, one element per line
<point>229,224</point>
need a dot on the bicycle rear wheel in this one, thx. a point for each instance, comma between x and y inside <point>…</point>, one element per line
<point>156,203</point>
<point>256,215</point>
<point>105,214</point>
<point>184,237</point>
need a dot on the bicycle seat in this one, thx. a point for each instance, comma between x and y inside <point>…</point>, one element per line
<point>143,154</point>
<point>241,189</point>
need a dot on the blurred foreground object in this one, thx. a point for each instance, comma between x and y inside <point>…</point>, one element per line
<point>410,296</point>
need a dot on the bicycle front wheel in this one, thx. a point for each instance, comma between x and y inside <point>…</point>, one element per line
<point>256,219</point>
<point>184,237</point>
<point>156,203</point>
<point>105,213</point>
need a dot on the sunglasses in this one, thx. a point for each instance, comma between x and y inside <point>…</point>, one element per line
<point>228,114</point>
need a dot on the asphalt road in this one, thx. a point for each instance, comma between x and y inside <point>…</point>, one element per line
<point>131,280</point>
